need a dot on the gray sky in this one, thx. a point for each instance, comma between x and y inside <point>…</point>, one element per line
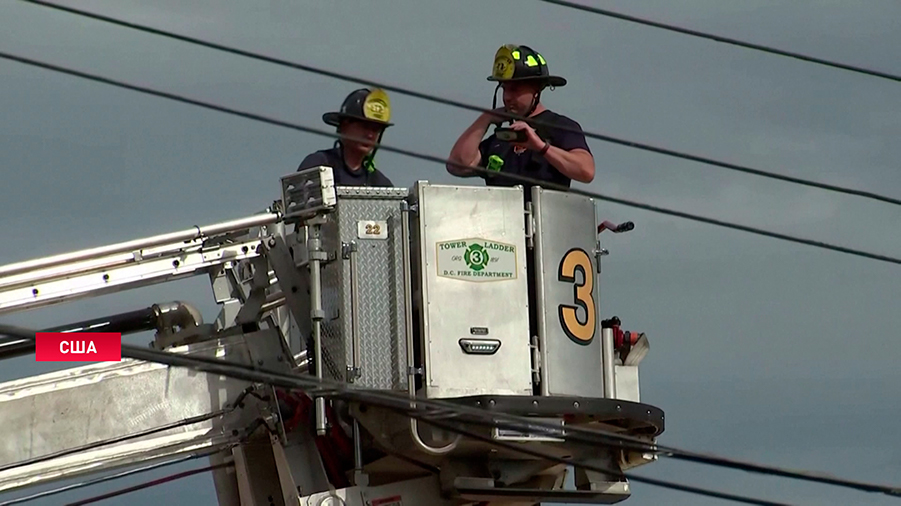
<point>760,349</point>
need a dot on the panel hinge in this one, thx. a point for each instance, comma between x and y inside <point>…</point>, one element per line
<point>598,253</point>
<point>536,360</point>
<point>530,226</point>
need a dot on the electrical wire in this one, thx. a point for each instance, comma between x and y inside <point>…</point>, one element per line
<point>726,496</point>
<point>249,373</point>
<point>107,442</point>
<point>447,410</point>
<point>136,435</point>
<point>477,170</point>
<point>151,483</point>
<point>599,469</point>
<point>726,40</point>
<point>116,476</point>
<point>455,103</point>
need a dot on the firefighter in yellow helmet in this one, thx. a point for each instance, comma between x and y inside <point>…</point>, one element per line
<point>361,121</point>
<point>543,152</point>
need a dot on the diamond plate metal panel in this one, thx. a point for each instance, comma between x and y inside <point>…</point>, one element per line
<point>380,269</point>
<point>332,332</point>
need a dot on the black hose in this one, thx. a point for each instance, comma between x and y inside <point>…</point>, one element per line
<point>124,323</point>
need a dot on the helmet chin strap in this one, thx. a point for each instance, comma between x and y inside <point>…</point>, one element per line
<point>536,99</point>
<point>494,98</point>
<point>368,162</point>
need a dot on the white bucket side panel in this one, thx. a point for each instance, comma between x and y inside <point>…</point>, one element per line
<point>473,268</point>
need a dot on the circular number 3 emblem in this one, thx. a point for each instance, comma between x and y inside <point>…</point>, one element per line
<point>476,257</point>
<point>580,330</point>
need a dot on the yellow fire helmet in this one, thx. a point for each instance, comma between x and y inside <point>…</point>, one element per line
<point>363,105</point>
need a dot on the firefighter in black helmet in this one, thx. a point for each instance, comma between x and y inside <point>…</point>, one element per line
<point>545,152</point>
<point>363,118</point>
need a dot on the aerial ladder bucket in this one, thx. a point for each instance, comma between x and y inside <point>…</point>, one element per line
<point>482,298</point>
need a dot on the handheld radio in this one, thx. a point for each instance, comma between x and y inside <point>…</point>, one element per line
<point>510,135</point>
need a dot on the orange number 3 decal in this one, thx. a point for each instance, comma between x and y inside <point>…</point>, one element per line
<point>581,331</point>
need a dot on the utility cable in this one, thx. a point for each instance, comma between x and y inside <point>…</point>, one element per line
<point>136,435</point>
<point>151,483</point>
<point>477,170</point>
<point>249,373</point>
<point>455,103</point>
<point>726,40</point>
<point>472,415</point>
<point>598,469</point>
<point>116,476</point>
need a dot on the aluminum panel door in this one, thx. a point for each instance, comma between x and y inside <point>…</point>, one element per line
<point>471,247</point>
<point>568,291</point>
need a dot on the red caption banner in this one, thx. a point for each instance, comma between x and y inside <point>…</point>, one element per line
<point>78,347</point>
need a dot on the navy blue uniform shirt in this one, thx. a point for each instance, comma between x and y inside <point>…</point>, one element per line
<point>529,163</point>
<point>344,176</point>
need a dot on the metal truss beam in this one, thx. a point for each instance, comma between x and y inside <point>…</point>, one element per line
<point>75,408</point>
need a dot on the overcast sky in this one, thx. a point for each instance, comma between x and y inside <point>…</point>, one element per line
<point>760,349</point>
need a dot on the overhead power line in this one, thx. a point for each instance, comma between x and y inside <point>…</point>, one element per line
<point>116,476</point>
<point>463,105</point>
<point>430,410</point>
<point>391,401</point>
<point>431,158</point>
<point>726,40</point>
<point>120,439</point>
<point>650,481</point>
<point>151,483</point>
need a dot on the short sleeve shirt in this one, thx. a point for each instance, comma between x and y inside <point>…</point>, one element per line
<point>529,163</point>
<point>344,176</point>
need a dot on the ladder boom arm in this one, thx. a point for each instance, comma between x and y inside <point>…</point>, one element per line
<point>116,271</point>
<point>190,234</point>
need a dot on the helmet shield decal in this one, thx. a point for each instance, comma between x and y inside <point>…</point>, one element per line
<point>503,63</point>
<point>377,106</point>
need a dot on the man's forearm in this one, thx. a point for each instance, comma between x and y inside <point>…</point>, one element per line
<point>577,164</point>
<point>466,149</point>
